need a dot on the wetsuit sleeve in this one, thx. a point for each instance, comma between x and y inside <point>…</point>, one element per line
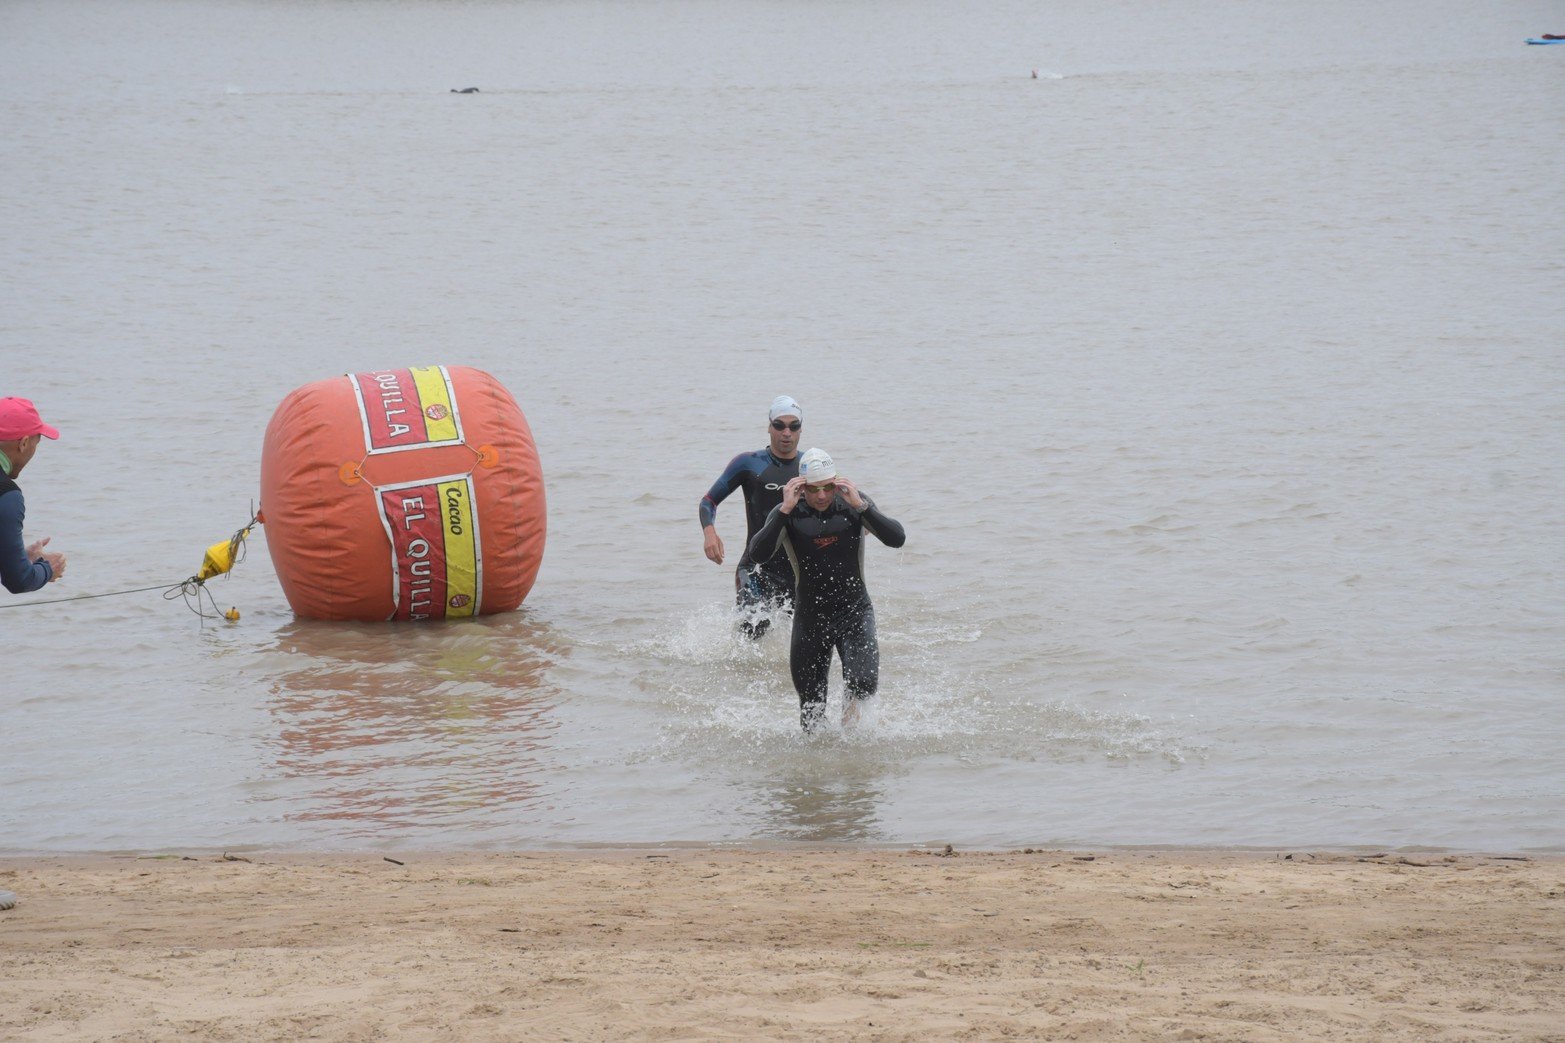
<point>720,491</point>
<point>766,542</point>
<point>885,529</point>
<point>17,573</point>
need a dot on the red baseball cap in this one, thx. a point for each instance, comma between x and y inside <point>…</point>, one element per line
<point>19,418</point>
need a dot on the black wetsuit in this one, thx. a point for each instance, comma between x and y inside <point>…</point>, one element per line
<point>826,550</point>
<point>757,586</point>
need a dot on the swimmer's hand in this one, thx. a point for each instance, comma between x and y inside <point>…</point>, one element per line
<point>850,492</point>
<point>713,545</point>
<point>791,493</point>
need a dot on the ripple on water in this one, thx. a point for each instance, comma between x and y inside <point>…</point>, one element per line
<point>728,704</point>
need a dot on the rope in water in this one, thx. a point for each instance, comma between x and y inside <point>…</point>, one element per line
<point>188,589</point>
<point>85,597</point>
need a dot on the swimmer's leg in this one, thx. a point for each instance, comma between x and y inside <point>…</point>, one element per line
<point>860,652</point>
<point>771,588</point>
<point>778,579</point>
<point>750,602</point>
<point>809,660</point>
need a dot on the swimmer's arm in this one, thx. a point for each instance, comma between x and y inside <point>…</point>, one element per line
<point>885,529</point>
<point>770,537</point>
<point>17,573</point>
<point>720,491</point>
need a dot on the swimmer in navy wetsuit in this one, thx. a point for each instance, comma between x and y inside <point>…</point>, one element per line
<point>760,589</point>
<point>821,524</point>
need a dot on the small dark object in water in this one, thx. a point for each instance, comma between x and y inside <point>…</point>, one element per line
<point>465,90</point>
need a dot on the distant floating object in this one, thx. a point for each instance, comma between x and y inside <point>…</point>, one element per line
<point>1035,74</point>
<point>464,90</point>
<point>1547,38</point>
<point>402,494</point>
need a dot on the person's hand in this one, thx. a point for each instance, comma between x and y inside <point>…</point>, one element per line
<point>57,563</point>
<point>850,492</point>
<point>713,545</point>
<point>35,549</point>
<point>791,493</point>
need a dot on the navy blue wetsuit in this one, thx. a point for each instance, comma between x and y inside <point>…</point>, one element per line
<point>761,475</point>
<point>17,573</point>
<point>826,550</point>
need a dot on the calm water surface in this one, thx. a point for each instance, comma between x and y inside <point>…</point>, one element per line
<point>1216,374</point>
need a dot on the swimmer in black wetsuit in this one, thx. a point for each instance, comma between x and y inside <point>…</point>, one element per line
<point>762,474</point>
<point>821,524</point>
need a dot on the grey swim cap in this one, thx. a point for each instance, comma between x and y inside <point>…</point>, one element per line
<point>782,405</point>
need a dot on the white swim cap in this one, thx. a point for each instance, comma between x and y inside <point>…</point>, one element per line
<point>816,466</point>
<point>782,405</point>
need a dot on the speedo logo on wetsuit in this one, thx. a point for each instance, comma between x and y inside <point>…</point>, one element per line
<point>406,409</point>
<point>436,568</point>
<point>825,541</point>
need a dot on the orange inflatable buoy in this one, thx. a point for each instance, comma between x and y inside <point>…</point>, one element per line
<point>403,494</point>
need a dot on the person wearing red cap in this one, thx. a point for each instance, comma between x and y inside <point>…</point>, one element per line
<point>22,568</point>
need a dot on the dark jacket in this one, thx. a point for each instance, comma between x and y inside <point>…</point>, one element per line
<point>17,573</point>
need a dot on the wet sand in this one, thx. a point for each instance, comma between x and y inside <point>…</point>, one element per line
<point>703,944</point>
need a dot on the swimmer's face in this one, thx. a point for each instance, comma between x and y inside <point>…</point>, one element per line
<point>784,433</point>
<point>819,497</point>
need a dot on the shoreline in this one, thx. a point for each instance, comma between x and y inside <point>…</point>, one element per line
<point>826,943</point>
<point>590,849</point>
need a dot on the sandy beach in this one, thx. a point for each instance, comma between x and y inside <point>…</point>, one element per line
<point>790,944</point>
